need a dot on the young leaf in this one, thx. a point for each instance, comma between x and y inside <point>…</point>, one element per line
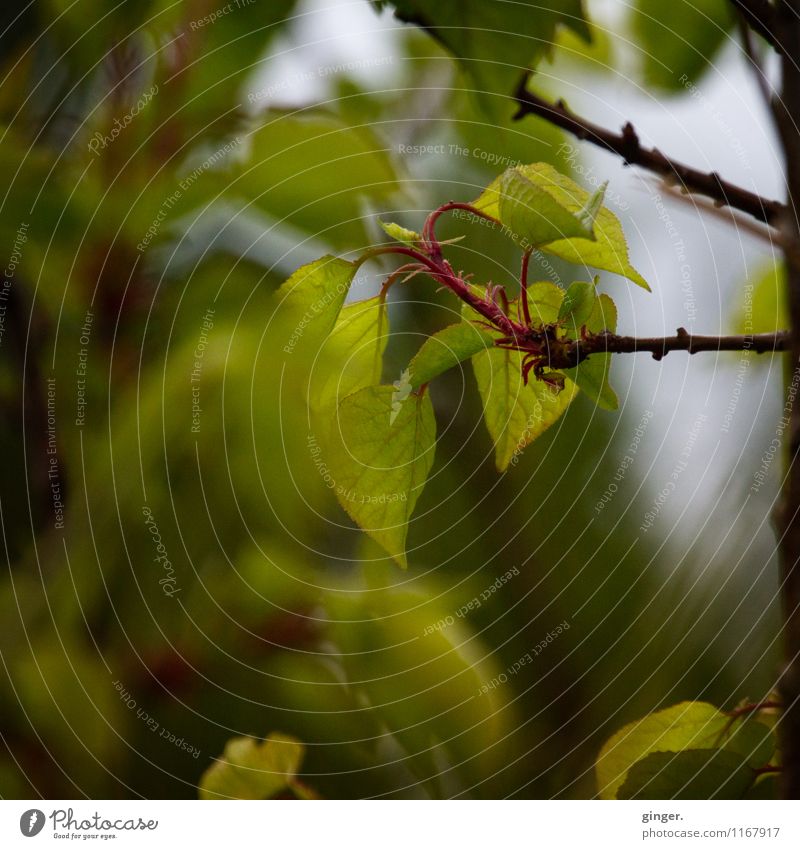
<point>577,306</point>
<point>380,461</point>
<point>251,769</point>
<point>593,206</point>
<point>351,358</point>
<point>446,349</point>
<point>515,414</point>
<point>688,725</point>
<point>592,374</point>
<point>692,774</point>
<point>309,302</point>
<point>535,215</point>
<point>400,234</point>
<point>608,251</point>
<point>544,302</point>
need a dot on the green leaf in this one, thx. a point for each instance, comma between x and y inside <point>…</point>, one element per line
<point>691,774</point>
<point>251,769</point>
<point>351,358</point>
<point>544,302</point>
<point>593,206</point>
<point>400,234</point>
<point>679,40</point>
<point>533,214</point>
<point>381,450</point>
<point>688,725</point>
<point>495,42</point>
<point>447,349</point>
<point>309,302</point>
<point>608,251</point>
<point>515,414</point>
<point>577,306</point>
<point>592,375</point>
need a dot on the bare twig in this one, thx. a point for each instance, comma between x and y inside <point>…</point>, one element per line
<point>570,353</point>
<point>626,144</point>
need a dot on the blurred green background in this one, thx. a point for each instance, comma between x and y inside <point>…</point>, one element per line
<point>165,166</point>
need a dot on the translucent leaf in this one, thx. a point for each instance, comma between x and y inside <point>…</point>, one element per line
<point>593,206</point>
<point>351,358</point>
<point>692,774</point>
<point>494,42</point>
<point>577,306</point>
<point>400,234</point>
<point>381,450</point>
<point>688,725</point>
<point>609,250</point>
<point>251,769</point>
<point>515,414</point>
<point>446,349</point>
<point>309,302</point>
<point>544,302</point>
<point>592,375</point>
<point>534,214</point>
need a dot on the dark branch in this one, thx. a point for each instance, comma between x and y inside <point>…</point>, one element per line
<point>569,353</point>
<point>760,17</point>
<point>626,145</point>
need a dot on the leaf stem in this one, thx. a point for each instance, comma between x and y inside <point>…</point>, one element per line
<point>523,286</point>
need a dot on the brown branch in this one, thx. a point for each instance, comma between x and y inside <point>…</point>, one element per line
<point>761,18</point>
<point>569,353</point>
<point>626,144</point>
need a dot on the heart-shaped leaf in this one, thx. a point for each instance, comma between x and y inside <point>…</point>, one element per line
<point>380,450</point>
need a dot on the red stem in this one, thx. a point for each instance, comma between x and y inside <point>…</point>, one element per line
<point>523,285</point>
